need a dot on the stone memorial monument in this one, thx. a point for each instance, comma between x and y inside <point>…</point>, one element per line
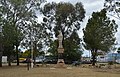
<point>60,62</point>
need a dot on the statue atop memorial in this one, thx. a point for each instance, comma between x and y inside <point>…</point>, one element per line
<point>60,62</point>
<point>60,39</point>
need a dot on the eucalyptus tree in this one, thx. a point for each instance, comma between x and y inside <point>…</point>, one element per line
<point>35,36</point>
<point>63,16</point>
<point>113,7</point>
<point>53,48</point>
<point>99,33</point>
<point>17,13</point>
<point>9,37</point>
<point>118,50</point>
<point>73,47</point>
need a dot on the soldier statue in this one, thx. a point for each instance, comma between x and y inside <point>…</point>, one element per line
<point>60,39</point>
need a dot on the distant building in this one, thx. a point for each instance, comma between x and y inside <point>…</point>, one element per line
<point>85,59</point>
<point>112,56</point>
<point>101,56</point>
<point>115,57</point>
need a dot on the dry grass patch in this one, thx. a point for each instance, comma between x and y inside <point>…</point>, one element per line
<point>21,71</point>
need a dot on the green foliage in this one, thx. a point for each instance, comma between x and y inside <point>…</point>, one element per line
<point>99,33</point>
<point>64,15</point>
<point>113,7</point>
<point>42,53</point>
<point>17,15</point>
<point>72,47</point>
<point>27,53</point>
<point>118,50</point>
<point>1,41</point>
<point>110,63</point>
<point>53,48</point>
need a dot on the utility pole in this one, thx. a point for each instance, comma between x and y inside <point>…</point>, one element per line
<point>31,54</point>
<point>32,47</point>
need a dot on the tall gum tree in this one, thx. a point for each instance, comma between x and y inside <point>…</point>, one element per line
<point>99,33</point>
<point>37,35</point>
<point>17,13</point>
<point>64,17</point>
<point>113,8</point>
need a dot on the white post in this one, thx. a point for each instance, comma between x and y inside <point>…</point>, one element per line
<point>32,54</point>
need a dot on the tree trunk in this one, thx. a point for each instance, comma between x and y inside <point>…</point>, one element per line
<point>17,53</point>
<point>34,60</point>
<point>9,60</point>
<point>94,54</point>
<point>93,60</point>
<point>1,52</point>
<point>34,53</point>
<point>0,58</point>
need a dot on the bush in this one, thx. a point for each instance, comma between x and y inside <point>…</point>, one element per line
<point>110,63</point>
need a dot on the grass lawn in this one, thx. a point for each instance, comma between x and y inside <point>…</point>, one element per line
<point>21,71</point>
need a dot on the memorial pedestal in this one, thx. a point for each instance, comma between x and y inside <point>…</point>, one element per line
<point>60,62</point>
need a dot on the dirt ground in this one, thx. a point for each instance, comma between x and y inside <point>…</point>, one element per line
<point>51,71</point>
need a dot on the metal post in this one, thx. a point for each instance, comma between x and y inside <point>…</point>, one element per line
<point>31,49</point>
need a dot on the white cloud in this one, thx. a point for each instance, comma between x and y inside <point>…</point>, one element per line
<point>72,1</point>
<point>118,33</point>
